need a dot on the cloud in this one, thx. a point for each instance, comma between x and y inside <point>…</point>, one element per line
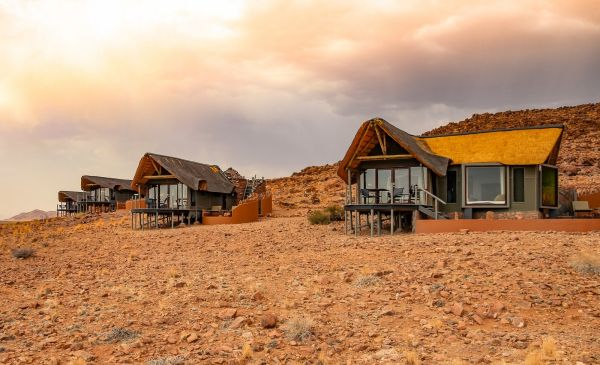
<point>268,86</point>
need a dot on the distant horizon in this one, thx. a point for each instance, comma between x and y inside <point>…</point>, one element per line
<point>269,87</point>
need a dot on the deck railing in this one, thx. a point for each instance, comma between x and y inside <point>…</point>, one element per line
<point>436,200</point>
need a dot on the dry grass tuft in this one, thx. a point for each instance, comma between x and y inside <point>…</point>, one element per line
<point>120,335</point>
<point>299,328</point>
<point>247,354</point>
<point>458,362</point>
<point>586,262</point>
<point>171,360</point>
<point>534,358</point>
<point>412,358</point>
<point>549,347</point>
<point>322,359</point>
<point>364,281</point>
<point>22,252</point>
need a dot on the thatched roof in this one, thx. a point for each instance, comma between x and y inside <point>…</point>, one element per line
<point>195,175</point>
<point>522,146</point>
<point>74,196</point>
<point>366,139</point>
<point>89,183</point>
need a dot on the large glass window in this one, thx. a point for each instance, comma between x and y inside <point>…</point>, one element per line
<point>486,185</point>
<point>168,196</point>
<point>549,180</point>
<point>518,184</point>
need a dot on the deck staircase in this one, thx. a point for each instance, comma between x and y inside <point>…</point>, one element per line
<point>430,212</point>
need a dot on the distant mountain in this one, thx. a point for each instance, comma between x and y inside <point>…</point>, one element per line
<point>32,216</point>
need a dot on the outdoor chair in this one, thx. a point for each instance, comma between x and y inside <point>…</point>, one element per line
<point>397,193</point>
<point>581,208</point>
<point>367,196</point>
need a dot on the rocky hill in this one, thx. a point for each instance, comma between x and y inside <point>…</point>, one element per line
<point>579,159</point>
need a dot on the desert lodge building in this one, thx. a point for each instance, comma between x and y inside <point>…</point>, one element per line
<point>392,176</point>
<point>168,191</point>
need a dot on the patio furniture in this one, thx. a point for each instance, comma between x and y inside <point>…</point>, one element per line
<point>366,195</point>
<point>581,208</point>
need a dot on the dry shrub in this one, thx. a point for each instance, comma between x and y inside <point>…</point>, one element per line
<point>22,252</point>
<point>364,281</point>
<point>586,263</point>
<point>336,213</point>
<point>299,328</point>
<point>412,358</point>
<point>318,217</point>
<point>549,347</point>
<point>120,335</point>
<point>534,358</point>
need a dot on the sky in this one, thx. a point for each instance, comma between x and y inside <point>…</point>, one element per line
<point>268,87</point>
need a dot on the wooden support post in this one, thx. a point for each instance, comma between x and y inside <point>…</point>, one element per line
<point>172,219</point>
<point>371,221</point>
<point>345,221</point>
<point>392,222</point>
<point>357,225</point>
<point>379,223</point>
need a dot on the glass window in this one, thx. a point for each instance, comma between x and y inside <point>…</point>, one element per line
<point>418,182</point>
<point>369,179</point>
<point>451,187</point>
<point>384,181</point>
<point>518,184</point>
<point>549,181</point>
<point>485,185</point>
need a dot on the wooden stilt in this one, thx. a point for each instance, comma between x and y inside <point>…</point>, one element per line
<point>392,222</point>
<point>357,225</point>
<point>371,222</point>
<point>379,223</point>
<point>172,219</point>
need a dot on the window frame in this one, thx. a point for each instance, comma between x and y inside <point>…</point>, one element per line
<point>540,186</point>
<point>465,182</point>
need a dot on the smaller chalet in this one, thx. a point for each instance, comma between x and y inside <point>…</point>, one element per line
<point>105,194</point>
<point>174,188</point>
<point>70,202</point>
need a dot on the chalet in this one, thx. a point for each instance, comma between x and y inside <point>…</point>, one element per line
<point>175,188</point>
<point>395,177</point>
<point>70,202</point>
<point>105,194</point>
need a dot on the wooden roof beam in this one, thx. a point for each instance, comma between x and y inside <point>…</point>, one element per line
<point>159,177</point>
<point>384,157</point>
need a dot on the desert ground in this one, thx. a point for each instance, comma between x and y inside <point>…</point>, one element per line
<point>284,291</point>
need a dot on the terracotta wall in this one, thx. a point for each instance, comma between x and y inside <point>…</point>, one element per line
<point>243,213</point>
<point>592,199</point>
<point>267,205</point>
<point>480,225</point>
<point>138,203</point>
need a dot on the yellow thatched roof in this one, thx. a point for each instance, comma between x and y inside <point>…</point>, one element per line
<point>530,146</point>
